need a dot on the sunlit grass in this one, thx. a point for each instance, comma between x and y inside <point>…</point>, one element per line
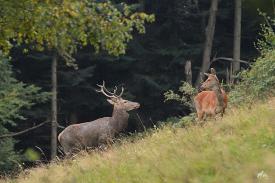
<point>238,148</point>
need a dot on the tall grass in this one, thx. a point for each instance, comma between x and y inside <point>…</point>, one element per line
<point>238,148</point>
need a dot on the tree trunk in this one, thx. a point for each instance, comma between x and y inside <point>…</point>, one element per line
<point>237,36</point>
<point>209,36</point>
<point>54,108</point>
<point>188,72</point>
<point>227,76</point>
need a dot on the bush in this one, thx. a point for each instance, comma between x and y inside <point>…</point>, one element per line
<point>258,82</point>
<point>185,96</point>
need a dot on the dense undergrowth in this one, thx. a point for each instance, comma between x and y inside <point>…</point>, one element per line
<point>239,148</point>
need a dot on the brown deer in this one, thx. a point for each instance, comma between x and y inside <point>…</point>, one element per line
<point>102,130</point>
<point>212,101</point>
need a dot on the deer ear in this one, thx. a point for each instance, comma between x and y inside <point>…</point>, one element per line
<point>213,71</point>
<point>110,101</point>
<point>206,74</point>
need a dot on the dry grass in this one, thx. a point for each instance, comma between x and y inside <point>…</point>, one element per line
<point>239,148</point>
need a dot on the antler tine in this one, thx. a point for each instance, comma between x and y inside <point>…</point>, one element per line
<point>112,93</point>
<point>115,90</point>
<point>102,88</point>
<point>107,91</point>
<point>122,90</point>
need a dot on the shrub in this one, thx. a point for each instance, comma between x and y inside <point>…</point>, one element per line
<point>185,96</point>
<point>258,82</point>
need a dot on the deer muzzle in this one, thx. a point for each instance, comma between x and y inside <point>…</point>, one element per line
<point>137,106</point>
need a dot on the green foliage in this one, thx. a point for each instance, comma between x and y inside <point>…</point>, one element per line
<point>32,155</point>
<point>9,159</point>
<point>14,97</point>
<point>187,92</point>
<point>259,81</point>
<point>66,25</point>
<point>267,43</point>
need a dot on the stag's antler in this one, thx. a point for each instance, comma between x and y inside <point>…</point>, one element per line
<point>103,89</point>
<point>112,93</point>
<point>122,90</point>
<point>107,93</point>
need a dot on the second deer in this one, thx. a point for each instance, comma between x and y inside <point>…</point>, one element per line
<point>213,100</point>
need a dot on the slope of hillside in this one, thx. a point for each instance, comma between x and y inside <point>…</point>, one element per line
<point>239,148</point>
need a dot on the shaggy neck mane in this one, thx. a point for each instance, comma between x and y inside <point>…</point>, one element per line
<point>119,120</point>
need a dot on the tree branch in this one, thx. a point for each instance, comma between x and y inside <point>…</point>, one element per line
<point>229,59</point>
<point>24,131</point>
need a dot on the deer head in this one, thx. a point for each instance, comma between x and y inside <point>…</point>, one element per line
<point>117,100</point>
<point>212,82</point>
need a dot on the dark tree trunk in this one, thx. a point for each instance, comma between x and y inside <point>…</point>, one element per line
<point>237,36</point>
<point>209,36</point>
<point>54,108</point>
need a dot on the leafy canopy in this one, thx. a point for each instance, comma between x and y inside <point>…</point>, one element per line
<point>64,25</point>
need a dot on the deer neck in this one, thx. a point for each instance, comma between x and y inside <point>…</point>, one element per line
<point>219,98</point>
<point>119,119</point>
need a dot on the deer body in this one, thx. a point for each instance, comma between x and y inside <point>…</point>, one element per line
<point>213,101</point>
<point>100,131</point>
<point>209,103</point>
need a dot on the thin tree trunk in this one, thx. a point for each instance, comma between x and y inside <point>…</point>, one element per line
<point>231,77</point>
<point>188,72</point>
<point>237,36</point>
<point>209,36</point>
<point>227,76</point>
<point>54,108</point>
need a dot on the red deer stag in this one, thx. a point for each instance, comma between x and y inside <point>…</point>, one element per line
<point>212,101</point>
<point>102,130</point>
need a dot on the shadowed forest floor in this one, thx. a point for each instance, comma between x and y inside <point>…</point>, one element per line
<point>239,148</point>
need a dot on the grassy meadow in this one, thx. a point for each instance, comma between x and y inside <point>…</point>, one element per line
<point>239,148</point>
